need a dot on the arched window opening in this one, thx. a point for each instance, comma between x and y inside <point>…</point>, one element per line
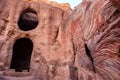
<point>28,20</point>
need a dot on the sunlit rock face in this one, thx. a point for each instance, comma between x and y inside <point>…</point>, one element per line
<point>63,6</point>
<point>41,41</point>
<point>32,41</point>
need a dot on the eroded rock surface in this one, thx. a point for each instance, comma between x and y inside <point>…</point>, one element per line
<point>94,29</point>
<point>79,44</point>
<point>63,6</point>
<point>116,3</point>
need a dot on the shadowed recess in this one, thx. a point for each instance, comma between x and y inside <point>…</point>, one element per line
<point>88,53</point>
<point>21,57</point>
<point>28,20</point>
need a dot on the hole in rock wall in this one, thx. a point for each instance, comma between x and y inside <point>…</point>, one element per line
<point>21,57</point>
<point>88,53</point>
<point>28,20</point>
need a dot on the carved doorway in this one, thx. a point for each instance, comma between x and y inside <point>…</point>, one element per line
<point>21,57</point>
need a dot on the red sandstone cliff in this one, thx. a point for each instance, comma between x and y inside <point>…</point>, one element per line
<point>94,29</point>
<point>83,44</point>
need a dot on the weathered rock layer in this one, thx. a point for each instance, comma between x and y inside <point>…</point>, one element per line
<point>95,33</point>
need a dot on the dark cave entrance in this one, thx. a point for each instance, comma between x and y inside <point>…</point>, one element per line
<point>21,57</point>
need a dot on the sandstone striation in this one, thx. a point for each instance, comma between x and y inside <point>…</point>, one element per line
<point>40,40</point>
<point>94,28</point>
<point>116,3</point>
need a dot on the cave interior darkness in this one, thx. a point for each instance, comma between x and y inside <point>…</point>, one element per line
<point>21,57</point>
